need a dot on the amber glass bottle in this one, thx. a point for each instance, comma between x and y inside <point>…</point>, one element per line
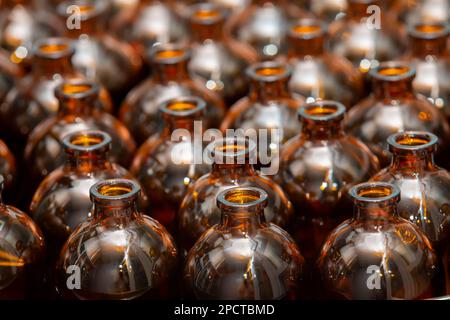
<point>428,52</point>
<point>244,257</point>
<point>232,165</point>
<point>167,163</point>
<point>170,79</point>
<point>391,108</point>
<point>21,253</point>
<point>148,23</point>
<point>21,25</point>
<point>32,100</point>
<point>428,11</point>
<point>61,201</point>
<point>317,168</point>
<point>425,187</point>
<point>376,254</point>
<point>259,31</point>
<point>134,257</point>
<point>9,72</point>
<point>362,40</point>
<point>99,55</point>
<point>7,164</point>
<point>213,61</point>
<point>318,75</point>
<point>269,104</point>
<point>328,10</point>
<point>77,111</point>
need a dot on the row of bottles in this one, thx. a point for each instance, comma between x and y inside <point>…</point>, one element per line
<point>99,109</point>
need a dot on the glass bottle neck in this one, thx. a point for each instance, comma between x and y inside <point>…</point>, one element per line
<point>375,212</point>
<point>122,212</point>
<point>301,48</point>
<point>232,171</point>
<point>312,130</point>
<point>207,31</point>
<point>422,48</point>
<point>171,72</point>
<point>414,162</point>
<point>267,91</point>
<point>357,9</point>
<point>47,68</point>
<point>245,222</point>
<point>87,163</point>
<point>392,90</point>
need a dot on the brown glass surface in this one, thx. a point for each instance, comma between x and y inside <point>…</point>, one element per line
<point>21,25</point>
<point>352,38</point>
<point>165,166</point>
<point>121,253</point>
<point>148,23</point>
<point>32,99</point>
<point>377,255</point>
<point>7,164</point>
<point>99,55</point>
<point>425,187</point>
<point>170,79</point>
<point>21,253</point>
<point>317,168</point>
<point>232,167</point>
<point>259,31</point>
<point>213,60</point>
<point>269,104</point>
<point>317,74</point>
<point>243,257</point>
<point>428,53</point>
<point>8,72</point>
<point>391,108</point>
<point>62,201</point>
<point>77,99</point>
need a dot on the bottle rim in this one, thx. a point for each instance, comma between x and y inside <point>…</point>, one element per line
<point>375,192</point>
<point>206,13</point>
<point>169,54</point>
<point>429,30</point>
<point>183,106</point>
<point>87,141</point>
<point>87,9</point>
<point>231,148</point>
<point>412,141</point>
<point>113,190</point>
<point>393,71</point>
<point>269,71</point>
<point>53,48</point>
<point>77,89</point>
<point>322,111</point>
<point>307,29</point>
<point>242,198</point>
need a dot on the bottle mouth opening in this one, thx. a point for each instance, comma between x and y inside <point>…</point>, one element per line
<point>83,9</point>
<point>412,141</point>
<point>375,192</point>
<point>429,31</point>
<point>392,71</point>
<point>87,141</point>
<point>269,71</point>
<point>206,13</point>
<point>242,197</point>
<point>169,54</point>
<point>236,150</point>
<point>183,106</point>
<point>307,29</point>
<point>322,110</point>
<point>53,48</point>
<point>76,89</point>
<point>114,189</point>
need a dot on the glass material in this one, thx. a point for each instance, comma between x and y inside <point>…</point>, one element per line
<point>148,23</point>
<point>120,254</point>
<point>425,11</point>
<point>318,75</point>
<point>377,255</point>
<point>61,201</point>
<point>21,253</point>
<point>358,38</point>
<point>8,73</point>
<point>259,31</point>
<point>428,52</point>
<point>99,55</point>
<point>7,165</point>
<point>243,257</point>
<point>170,79</point>
<point>213,60</point>
<point>392,107</point>
<point>269,104</point>
<point>32,100</point>
<point>425,187</point>
<point>317,168</point>
<point>328,10</point>
<point>167,163</point>
<point>232,166</point>
<point>77,111</point>
<point>21,25</point>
